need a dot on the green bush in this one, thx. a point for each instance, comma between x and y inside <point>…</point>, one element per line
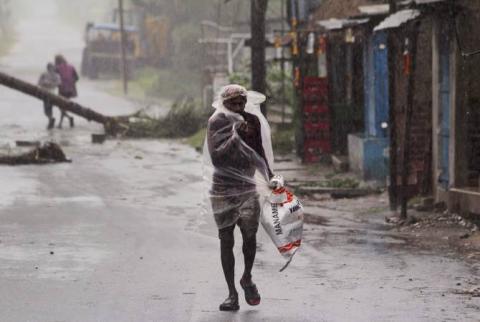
<point>183,120</point>
<point>198,139</point>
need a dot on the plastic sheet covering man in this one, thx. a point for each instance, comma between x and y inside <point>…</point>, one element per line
<point>238,158</point>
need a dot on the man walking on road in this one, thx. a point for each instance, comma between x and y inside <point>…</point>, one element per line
<point>236,151</point>
<point>67,88</point>
<point>49,80</point>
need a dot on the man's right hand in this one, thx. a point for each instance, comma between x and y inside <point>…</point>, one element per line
<point>277,182</point>
<point>243,129</point>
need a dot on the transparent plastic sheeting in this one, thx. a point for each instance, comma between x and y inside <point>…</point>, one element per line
<point>237,179</point>
<point>235,174</point>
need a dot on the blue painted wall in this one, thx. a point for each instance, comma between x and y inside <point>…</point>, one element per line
<point>375,163</point>
<point>375,64</point>
<point>368,87</point>
<point>444,137</point>
<point>372,145</point>
<point>382,107</point>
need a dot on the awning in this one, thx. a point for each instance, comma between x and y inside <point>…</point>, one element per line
<point>333,24</point>
<point>398,19</point>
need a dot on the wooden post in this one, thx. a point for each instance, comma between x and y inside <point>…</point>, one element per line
<point>123,48</point>
<point>257,27</point>
<point>408,118</point>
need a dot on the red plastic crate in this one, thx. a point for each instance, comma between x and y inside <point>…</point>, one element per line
<point>318,145</point>
<point>315,108</point>
<point>315,99</point>
<point>317,135</point>
<point>310,81</point>
<point>314,118</point>
<point>313,91</point>
<point>316,125</point>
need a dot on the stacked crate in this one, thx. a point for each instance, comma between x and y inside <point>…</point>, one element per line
<point>316,119</point>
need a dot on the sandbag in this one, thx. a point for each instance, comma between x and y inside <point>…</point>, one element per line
<point>282,218</point>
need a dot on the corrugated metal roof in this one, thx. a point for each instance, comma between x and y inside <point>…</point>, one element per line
<point>341,9</point>
<point>373,10</point>
<point>397,19</point>
<point>406,2</point>
<point>332,24</point>
<point>427,1</point>
<point>113,27</point>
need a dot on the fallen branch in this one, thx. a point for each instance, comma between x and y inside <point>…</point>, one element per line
<point>183,119</point>
<point>112,125</point>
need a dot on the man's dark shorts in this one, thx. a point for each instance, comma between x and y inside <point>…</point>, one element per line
<point>241,210</point>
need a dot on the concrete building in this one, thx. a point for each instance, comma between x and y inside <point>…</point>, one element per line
<point>456,104</point>
<point>424,118</point>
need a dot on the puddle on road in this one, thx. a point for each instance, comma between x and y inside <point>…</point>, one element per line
<point>66,262</point>
<point>315,220</point>
<point>87,201</point>
<point>19,183</point>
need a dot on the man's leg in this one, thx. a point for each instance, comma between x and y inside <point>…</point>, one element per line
<point>248,223</point>
<point>60,123</point>
<point>228,264</point>
<point>47,107</point>
<point>227,242</point>
<point>71,121</point>
<point>249,251</point>
<point>64,114</point>
<point>70,118</point>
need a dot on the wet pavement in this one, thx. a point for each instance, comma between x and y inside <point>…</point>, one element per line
<point>119,234</point>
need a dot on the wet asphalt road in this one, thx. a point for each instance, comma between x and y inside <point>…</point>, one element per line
<point>119,235</point>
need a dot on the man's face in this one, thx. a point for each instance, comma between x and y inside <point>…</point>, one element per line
<point>236,104</point>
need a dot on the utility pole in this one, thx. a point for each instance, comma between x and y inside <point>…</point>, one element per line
<point>393,6</point>
<point>282,57</point>
<point>413,37</point>
<point>392,63</point>
<point>257,27</point>
<point>123,48</point>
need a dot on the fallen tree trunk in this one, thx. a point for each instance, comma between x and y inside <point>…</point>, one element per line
<point>112,125</point>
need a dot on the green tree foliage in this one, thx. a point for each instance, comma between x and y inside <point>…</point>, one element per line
<point>186,17</point>
<point>81,12</point>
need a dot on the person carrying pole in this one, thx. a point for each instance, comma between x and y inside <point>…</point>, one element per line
<point>67,89</point>
<point>49,80</point>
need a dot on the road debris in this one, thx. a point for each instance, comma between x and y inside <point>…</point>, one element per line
<point>98,138</point>
<point>48,152</point>
<point>473,292</point>
<point>28,143</point>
